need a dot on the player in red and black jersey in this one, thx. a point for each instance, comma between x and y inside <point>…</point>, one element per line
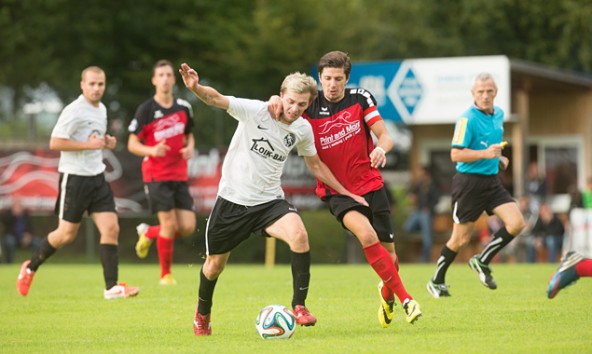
<point>342,120</point>
<point>161,131</point>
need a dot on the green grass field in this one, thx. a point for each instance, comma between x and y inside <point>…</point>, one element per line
<point>65,312</point>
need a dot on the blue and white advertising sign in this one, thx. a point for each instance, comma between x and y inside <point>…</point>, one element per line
<point>430,91</point>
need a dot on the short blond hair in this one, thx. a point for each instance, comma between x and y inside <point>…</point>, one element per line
<point>300,83</point>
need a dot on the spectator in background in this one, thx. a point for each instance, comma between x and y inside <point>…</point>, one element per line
<point>17,230</point>
<point>536,186</point>
<point>587,194</point>
<point>548,231</point>
<point>525,237</point>
<point>423,197</point>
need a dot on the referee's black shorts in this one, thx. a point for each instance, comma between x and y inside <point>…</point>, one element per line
<point>473,194</point>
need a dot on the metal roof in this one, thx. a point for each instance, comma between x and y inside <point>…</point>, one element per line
<point>541,77</point>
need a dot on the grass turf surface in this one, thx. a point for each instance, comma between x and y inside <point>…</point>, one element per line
<point>66,313</point>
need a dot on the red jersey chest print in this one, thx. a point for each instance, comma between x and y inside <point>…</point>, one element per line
<point>155,124</point>
<point>343,140</point>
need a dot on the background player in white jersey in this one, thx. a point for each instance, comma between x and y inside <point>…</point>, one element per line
<point>250,197</point>
<point>80,136</point>
<point>161,131</point>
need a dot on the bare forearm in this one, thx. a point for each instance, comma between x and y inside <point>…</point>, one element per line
<point>135,146</point>
<point>466,155</point>
<point>210,96</point>
<point>60,144</point>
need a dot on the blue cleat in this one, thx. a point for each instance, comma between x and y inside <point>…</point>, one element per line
<point>565,275</point>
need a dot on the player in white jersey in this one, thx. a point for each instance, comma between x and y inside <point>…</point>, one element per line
<point>250,197</point>
<point>80,136</point>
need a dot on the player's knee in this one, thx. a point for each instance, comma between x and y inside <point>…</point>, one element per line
<point>186,230</point>
<point>212,269</point>
<point>367,237</point>
<point>59,239</point>
<point>516,227</point>
<point>299,240</point>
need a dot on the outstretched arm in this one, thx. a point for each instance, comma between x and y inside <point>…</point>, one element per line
<point>207,94</point>
<point>322,172</point>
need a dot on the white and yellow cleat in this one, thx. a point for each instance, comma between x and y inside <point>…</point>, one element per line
<point>386,310</point>
<point>412,310</point>
<point>168,280</point>
<point>144,243</point>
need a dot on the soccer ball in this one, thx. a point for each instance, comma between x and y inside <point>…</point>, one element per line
<point>275,322</point>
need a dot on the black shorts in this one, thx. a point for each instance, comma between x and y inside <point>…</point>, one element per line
<point>77,194</point>
<point>230,224</point>
<point>378,212</point>
<point>168,195</point>
<point>473,194</point>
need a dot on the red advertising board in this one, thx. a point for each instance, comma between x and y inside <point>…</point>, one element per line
<point>32,175</point>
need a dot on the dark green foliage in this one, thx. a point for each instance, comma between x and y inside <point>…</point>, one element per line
<point>245,48</point>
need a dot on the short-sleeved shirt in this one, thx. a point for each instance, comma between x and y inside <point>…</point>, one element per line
<point>153,123</point>
<point>77,122</point>
<point>477,130</point>
<point>343,140</point>
<point>257,153</point>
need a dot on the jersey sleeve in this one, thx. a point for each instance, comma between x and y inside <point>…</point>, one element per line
<point>66,124</point>
<point>371,114</point>
<point>189,111</point>
<point>137,124</point>
<point>306,146</point>
<point>242,109</point>
<point>462,133</point>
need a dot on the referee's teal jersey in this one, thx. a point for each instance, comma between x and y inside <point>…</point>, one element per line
<point>476,130</point>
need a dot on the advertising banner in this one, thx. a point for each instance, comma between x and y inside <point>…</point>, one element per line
<point>32,176</point>
<point>429,91</point>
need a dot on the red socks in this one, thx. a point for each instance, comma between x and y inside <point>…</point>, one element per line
<point>383,265</point>
<point>153,232</point>
<point>165,254</point>
<point>584,268</point>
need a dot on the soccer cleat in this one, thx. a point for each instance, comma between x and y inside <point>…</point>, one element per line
<point>143,244</point>
<point>202,325</point>
<point>484,272</point>
<point>412,310</point>
<point>168,280</point>
<point>565,275</point>
<point>303,316</point>
<point>437,290</point>
<point>120,291</point>
<point>386,309</point>
<point>25,278</point>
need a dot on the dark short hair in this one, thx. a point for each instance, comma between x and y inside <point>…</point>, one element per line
<point>161,63</point>
<point>335,59</point>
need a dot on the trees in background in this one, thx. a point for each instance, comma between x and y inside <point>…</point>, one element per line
<point>245,48</point>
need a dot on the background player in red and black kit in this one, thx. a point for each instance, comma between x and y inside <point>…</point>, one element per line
<point>161,131</point>
<point>342,120</point>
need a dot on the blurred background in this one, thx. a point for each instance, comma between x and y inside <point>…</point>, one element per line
<point>245,48</point>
